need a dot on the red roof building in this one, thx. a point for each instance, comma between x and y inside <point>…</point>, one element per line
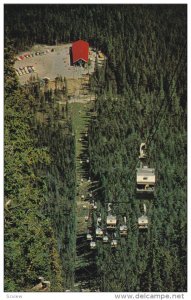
<point>80,51</point>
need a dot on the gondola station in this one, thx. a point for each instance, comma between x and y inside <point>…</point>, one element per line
<point>80,53</point>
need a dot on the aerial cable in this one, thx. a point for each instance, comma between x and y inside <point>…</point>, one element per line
<point>149,138</point>
<point>163,104</point>
<point>151,135</point>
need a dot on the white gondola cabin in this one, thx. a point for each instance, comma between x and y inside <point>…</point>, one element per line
<point>114,243</point>
<point>145,180</point>
<point>92,245</point>
<point>105,239</point>
<point>111,222</point>
<point>123,230</point>
<point>143,222</point>
<point>89,237</point>
<point>99,232</point>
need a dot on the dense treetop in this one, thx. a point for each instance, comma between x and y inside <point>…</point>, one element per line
<point>141,95</point>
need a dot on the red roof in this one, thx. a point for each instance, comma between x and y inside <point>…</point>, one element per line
<point>80,50</point>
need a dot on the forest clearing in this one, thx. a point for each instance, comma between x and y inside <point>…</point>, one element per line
<point>95,148</point>
<point>80,114</point>
<point>51,62</point>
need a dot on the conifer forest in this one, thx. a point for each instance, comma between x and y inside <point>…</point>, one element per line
<point>140,94</point>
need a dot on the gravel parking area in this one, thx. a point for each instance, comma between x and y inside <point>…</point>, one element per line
<point>54,62</point>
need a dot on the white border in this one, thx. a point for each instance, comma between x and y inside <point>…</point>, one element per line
<point>1,148</point>
<point>96,2</point>
<point>111,296</point>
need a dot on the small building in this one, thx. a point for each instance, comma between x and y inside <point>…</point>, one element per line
<point>80,52</point>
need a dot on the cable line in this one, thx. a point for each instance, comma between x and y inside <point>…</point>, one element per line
<point>150,137</point>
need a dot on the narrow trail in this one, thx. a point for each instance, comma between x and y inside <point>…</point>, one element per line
<point>85,268</point>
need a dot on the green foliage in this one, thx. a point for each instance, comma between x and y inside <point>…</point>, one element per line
<point>141,93</point>
<point>30,232</point>
<point>122,122</point>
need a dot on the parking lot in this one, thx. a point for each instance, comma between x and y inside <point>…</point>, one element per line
<point>50,61</point>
